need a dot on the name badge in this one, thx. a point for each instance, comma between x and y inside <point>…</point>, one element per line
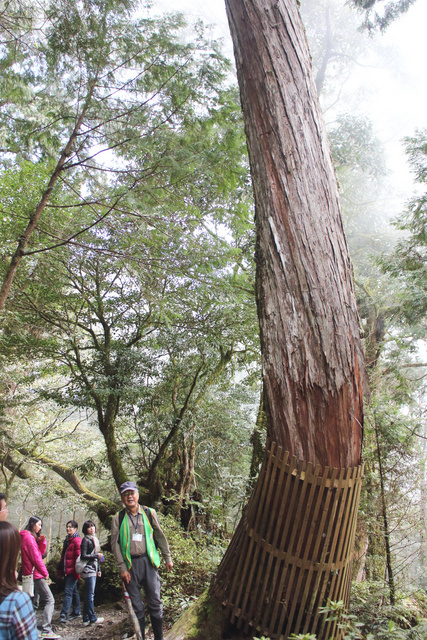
<point>137,537</point>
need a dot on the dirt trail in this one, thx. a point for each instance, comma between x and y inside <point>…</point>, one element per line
<point>116,625</point>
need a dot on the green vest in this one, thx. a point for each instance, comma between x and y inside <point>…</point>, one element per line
<point>124,538</point>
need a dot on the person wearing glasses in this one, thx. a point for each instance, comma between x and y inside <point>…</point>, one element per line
<point>3,508</point>
<point>136,540</point>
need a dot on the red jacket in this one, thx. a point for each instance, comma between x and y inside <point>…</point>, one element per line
<point>69,557</point>
<point>32,551</point>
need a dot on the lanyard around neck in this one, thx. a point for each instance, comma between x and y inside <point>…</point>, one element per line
<point>135,525</point>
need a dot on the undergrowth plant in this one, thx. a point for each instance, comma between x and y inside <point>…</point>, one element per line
<point>195,560</point>
<point>404,621</point>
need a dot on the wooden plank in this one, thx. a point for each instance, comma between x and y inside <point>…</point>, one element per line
<point>320,589</point>
<point>262,527</point>
<point>348,517</point>
<point>324,498</point>
<point>307,531</point>
<point>288,557</point>
<point>238,541</point>
<point>296,542</point>
<point>243,566</point>
<point>253,551</point>
<point>353,508</point>
<point>300,581</point>
<point>286,498</point>
<point>251,509</point>
<point>272,533</point>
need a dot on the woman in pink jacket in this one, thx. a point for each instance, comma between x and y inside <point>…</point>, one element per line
<point>33,546</point>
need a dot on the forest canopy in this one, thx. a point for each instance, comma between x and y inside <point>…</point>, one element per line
<point>129,338</point>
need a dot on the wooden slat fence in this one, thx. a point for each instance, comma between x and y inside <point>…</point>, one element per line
<point>295,539</point>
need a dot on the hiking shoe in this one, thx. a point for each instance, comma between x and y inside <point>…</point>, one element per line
<point>62,619</point>
<point>86,623</point>
<point>49,635</point>
<point>74,616</point>
<point>98,621</point>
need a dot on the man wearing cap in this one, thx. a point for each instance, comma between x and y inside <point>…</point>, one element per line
<point>136,539</point>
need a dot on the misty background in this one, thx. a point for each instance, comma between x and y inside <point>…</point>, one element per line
<point>384,80</point>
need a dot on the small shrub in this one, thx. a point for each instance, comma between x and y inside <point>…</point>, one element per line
<point>195,559</point>
<point>108,586</point>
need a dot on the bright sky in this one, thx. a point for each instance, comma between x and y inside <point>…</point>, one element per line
<point>399,98</point>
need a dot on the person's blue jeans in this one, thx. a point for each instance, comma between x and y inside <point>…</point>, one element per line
<point>88,610</point>
<point>71,597</point>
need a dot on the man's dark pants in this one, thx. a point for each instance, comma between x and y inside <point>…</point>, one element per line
<point>144,576</point>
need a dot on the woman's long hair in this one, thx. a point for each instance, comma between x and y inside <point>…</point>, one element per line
<point>30,524</point>
<point>10,543</point>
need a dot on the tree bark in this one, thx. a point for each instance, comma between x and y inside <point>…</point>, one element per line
<point>311,348</point>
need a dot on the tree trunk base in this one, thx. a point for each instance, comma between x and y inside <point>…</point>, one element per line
<point>204,620</point>
<point>292,549</point>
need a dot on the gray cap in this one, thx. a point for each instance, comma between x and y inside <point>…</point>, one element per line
<point>128,486</point>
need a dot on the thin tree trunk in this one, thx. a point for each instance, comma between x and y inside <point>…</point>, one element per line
<point>320,77</point>
<point>108,430</point>
<point>49,540</point>
<point>423,514</point>
<point>390,574</point>
<point>258,443</point>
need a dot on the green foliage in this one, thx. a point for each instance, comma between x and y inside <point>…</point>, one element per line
<point>382,18</point>
<point>406,619</point>
<point>195,561</point>
<point>407,263</point>
<point>355,146</point>
<point>135,294</point>
<point>346,622</point>
<point>109,585</point>
<point>371,622</point>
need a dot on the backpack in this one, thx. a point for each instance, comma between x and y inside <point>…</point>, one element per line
<point>147,512</point>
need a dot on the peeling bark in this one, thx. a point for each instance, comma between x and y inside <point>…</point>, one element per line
<point>311,348</point>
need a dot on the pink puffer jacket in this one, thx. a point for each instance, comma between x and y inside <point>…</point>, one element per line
<point>32,551</point>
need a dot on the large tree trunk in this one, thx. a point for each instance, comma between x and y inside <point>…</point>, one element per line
<point>310,341</point>
<point>311,349</point>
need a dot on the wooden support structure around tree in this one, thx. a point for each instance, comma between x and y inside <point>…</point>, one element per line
<point>295,538</point>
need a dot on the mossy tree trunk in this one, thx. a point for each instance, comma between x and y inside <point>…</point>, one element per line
<point>313,368</point>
